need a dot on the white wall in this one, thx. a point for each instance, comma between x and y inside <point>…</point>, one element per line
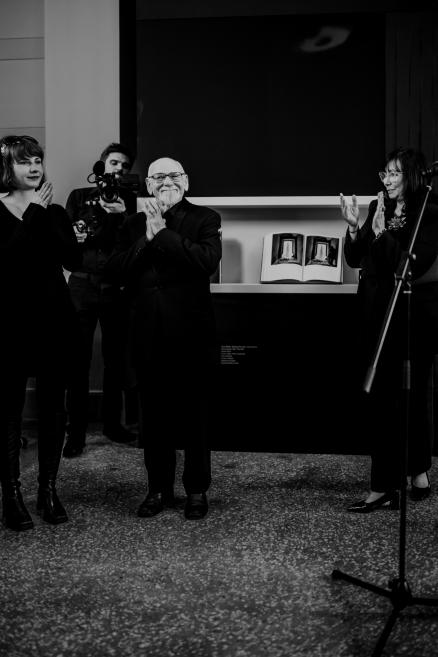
<point>22,68</point>
<point>81,87</point>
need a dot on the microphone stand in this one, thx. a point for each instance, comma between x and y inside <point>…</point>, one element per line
<point>398,592</point>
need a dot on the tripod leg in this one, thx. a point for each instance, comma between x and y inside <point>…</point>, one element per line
<point>380,645</point>
<point>338,574</point>
<point>429,602</point>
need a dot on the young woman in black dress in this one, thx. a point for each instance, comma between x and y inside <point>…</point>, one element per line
<point>37,327</point>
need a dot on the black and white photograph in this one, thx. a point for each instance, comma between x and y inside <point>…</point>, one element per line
<point>287,248</point>
<point>322,251</point>
<point>219,330</point>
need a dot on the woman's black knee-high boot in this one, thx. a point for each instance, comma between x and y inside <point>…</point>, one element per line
<point>51,433</point>
<point>15,514</point>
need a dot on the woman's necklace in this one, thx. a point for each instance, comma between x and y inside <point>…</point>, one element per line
<point>398,221</point>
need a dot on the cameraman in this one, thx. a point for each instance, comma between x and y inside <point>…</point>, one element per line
<point>96,221</point>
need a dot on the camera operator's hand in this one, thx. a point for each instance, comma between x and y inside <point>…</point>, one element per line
<point>154,219</point>
<point>116,207</point>
<point>80,229</point>
<point>44,195</point>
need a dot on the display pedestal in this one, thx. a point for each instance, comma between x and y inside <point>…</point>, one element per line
<point>287,380</point>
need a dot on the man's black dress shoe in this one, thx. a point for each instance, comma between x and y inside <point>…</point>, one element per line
<point>155,502</point>
<point>196,506</point>
<point>151,505</point>
<point>418,494</point>
<point>389,500</point>
<point>119,434</point>
<point>72,448</point>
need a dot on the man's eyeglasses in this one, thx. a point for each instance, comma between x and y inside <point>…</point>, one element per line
<point>161,177</point>
<point>392,175</point>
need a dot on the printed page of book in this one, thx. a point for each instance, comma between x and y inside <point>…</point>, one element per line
<point>282,259</point>
<point>323,259</point>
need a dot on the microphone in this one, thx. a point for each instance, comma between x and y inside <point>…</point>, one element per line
<point>432,171</point>
<point>99,168</point>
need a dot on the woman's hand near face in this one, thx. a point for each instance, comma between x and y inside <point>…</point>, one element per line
<point>378,224</point>
<point>350,212</point>
<point>44,195</point>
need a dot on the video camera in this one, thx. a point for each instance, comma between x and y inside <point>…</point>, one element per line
<point>109,185</point>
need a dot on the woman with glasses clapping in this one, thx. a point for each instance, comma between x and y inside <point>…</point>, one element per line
<point>376,247</point>
<point>36,241</point>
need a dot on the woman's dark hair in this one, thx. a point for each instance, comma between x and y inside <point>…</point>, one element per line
<point>117,148</point>
<point>413,164</point>
<point>12,149</point>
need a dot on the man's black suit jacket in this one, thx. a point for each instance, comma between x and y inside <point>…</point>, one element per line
<point>167,283</point>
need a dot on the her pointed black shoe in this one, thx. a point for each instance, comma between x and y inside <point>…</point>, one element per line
<point>390,500</point>
<point>418,494</point>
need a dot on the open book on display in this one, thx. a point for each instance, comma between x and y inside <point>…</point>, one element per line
<point>296,257</point>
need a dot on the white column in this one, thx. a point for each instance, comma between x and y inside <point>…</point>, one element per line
<point>81,87</point>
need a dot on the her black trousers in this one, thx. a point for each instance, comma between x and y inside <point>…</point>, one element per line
<point>385,415</point>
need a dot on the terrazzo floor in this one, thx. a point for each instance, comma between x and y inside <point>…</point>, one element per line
<point>251,579</point>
